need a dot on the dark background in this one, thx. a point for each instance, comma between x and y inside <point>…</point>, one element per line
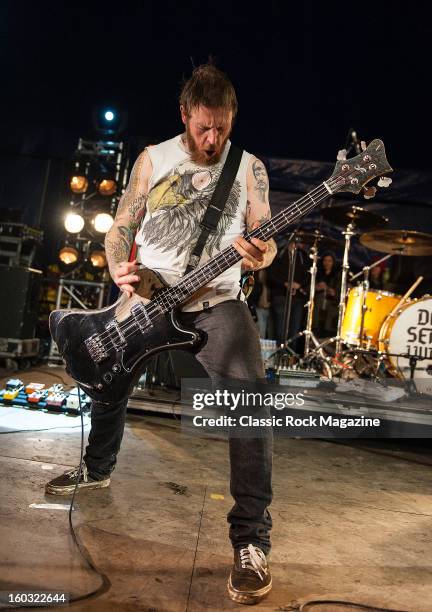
<point>304,74</point>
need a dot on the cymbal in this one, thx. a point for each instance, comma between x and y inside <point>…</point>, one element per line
<point>398,242</point>
<point>322,240</point>
<point>357,216</point>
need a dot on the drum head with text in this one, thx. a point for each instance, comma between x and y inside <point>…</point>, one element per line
<point>411,334</point>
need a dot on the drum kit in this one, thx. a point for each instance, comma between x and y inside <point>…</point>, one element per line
<point>379,333</point>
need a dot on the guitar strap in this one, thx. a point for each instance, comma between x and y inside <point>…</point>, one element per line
<point>217,204</point>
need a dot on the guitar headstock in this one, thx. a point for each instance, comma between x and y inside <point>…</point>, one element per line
<point>354,173</point>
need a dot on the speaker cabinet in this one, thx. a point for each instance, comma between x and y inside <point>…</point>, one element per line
<point>19,302</point>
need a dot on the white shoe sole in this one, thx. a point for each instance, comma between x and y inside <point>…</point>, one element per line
<point>97,484</point>
<point>245,597</point>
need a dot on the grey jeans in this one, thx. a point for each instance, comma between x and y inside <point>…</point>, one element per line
<point>232,351</point>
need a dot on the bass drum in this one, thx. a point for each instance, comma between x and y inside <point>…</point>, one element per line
<point>409,332</point>
<point>379,304</point>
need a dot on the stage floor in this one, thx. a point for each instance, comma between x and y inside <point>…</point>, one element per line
<point>351,521</point>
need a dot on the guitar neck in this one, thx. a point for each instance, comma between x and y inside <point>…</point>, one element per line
<point>177,294</point>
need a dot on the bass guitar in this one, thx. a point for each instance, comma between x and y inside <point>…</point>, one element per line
<point>105,350</point>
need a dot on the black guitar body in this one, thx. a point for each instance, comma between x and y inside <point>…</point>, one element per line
<point>108,365</point>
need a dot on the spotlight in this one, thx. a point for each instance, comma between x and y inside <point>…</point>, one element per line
<point>103,222</point>
<point>107,187</point>
<point>97,259</point>
<point>109,121</point>
<point>78,183</point>
<point>73,223</point>
<point>68,255</point>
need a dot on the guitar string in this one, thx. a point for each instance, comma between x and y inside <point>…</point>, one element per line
<point>278,222</point>
<point>162,301</point>
<point>228,253</point>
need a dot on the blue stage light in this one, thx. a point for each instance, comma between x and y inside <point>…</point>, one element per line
<point>109,115</point>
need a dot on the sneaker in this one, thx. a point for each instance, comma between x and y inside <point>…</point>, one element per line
<point>65,484</point>
<point>250,578</point>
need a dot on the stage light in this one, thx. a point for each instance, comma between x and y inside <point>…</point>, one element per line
<point>78,183</point>
<point>97,259</point>
<point>68,256</point>
<point>73,223</point>
<point>107,187</point>
<point>109,121</point>
<point>103,222</point>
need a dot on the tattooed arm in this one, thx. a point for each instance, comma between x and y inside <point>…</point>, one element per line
<point>257,254</point>
<point>130,211</point>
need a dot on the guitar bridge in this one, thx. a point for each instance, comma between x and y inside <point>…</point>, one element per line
<point>116,335</point>
<point>96,348</point>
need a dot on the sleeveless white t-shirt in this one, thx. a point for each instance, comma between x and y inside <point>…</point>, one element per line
<point>179,192</point>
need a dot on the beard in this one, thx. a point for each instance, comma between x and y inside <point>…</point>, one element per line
<point>209,157</point>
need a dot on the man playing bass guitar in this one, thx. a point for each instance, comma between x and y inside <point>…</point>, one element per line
<point>168,192</point>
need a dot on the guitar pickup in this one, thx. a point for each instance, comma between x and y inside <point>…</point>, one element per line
<point>141,318</point>
<point>116,335</point>
<point>96,348</point>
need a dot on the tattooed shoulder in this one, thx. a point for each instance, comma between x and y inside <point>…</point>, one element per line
<point>261,179</point>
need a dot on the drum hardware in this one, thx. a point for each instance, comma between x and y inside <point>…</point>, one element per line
<point>358,217</point>
<point>365,286</point>
<point>313,254</point>
<point>411,385</point>
<point>285,354</point>
<point>348,233</point>
<point>398,242</point>
<point>364,362</point>
<point>312,238</point>
<point>309,238</point>
<point>292,255</point>
<point>353,218</point>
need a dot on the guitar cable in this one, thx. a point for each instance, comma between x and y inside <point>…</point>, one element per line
<point>105,581</point>
<point>301,607</point>
<point>105,584</point>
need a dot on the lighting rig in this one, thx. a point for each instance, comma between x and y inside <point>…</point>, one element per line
<point>97,179</point>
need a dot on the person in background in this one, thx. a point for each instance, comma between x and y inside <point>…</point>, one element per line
<point>325,313</point>
<point>378,276</point>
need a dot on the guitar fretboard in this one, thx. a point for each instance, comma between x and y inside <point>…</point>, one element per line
<point>175,295</point>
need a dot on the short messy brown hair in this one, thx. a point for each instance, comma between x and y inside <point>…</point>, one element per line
<point>208,86</point>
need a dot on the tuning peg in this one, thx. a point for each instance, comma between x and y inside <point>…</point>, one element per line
<point>363,145</point>
<point>341,156</point>
<point>384,181</point>
<point>369,192</point>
